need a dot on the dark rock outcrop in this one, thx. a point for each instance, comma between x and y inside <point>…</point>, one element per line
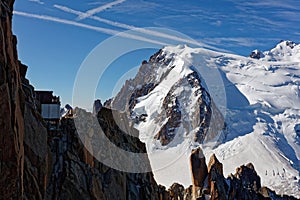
<point>97,107</point>
<point>176,191</point>
<point>173,114</point>
<point>290,44</point>
<point>244,184</point>
<point>216,183</point>
<point>256,54</point>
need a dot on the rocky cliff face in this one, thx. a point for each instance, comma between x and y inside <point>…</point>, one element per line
<point>12,130</point>
<point>23,138</point>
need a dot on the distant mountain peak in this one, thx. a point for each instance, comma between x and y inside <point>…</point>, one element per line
<point>285,50</point>
<point>287,43</point>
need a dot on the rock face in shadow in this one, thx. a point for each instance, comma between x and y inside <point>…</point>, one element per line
<point>78,175</point>
<point>216,183</point>
<point>23,137</point>
<point>245,183</point>
<point>11,111</point>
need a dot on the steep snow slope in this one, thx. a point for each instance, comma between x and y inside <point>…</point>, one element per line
<point>263,131</point>
<point>261,112</point>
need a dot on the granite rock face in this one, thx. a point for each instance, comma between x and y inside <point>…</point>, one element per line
<point>216,183</point>
<point>23,138</point>
<point>199,171</point>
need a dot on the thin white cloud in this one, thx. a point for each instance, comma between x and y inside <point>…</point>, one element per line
<point>37,1</point>
<point>275,15</point>
<point>98,9</point>
<point>137,29</point>
<point>240,41</point>
<point>95,28</point>
<point>272,3</point>
<point>95,3</point>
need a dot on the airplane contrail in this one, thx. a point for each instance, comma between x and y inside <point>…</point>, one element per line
<point>137,29</point>
<point>95,28</point>
<point>91,12</point>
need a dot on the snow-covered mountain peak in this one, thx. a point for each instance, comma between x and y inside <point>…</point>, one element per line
<point>286,43</point>
<point>283,51</point>
<point>172,101</point>
<point>168,102</point>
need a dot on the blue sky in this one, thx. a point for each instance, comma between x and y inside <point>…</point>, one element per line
<point>55,37</point>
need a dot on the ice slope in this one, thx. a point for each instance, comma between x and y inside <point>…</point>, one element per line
<point>262,116</point>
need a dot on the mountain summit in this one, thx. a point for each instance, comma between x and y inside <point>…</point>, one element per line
<point>177,102</point>
<point>283,51</point>
<point>168,100</point>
